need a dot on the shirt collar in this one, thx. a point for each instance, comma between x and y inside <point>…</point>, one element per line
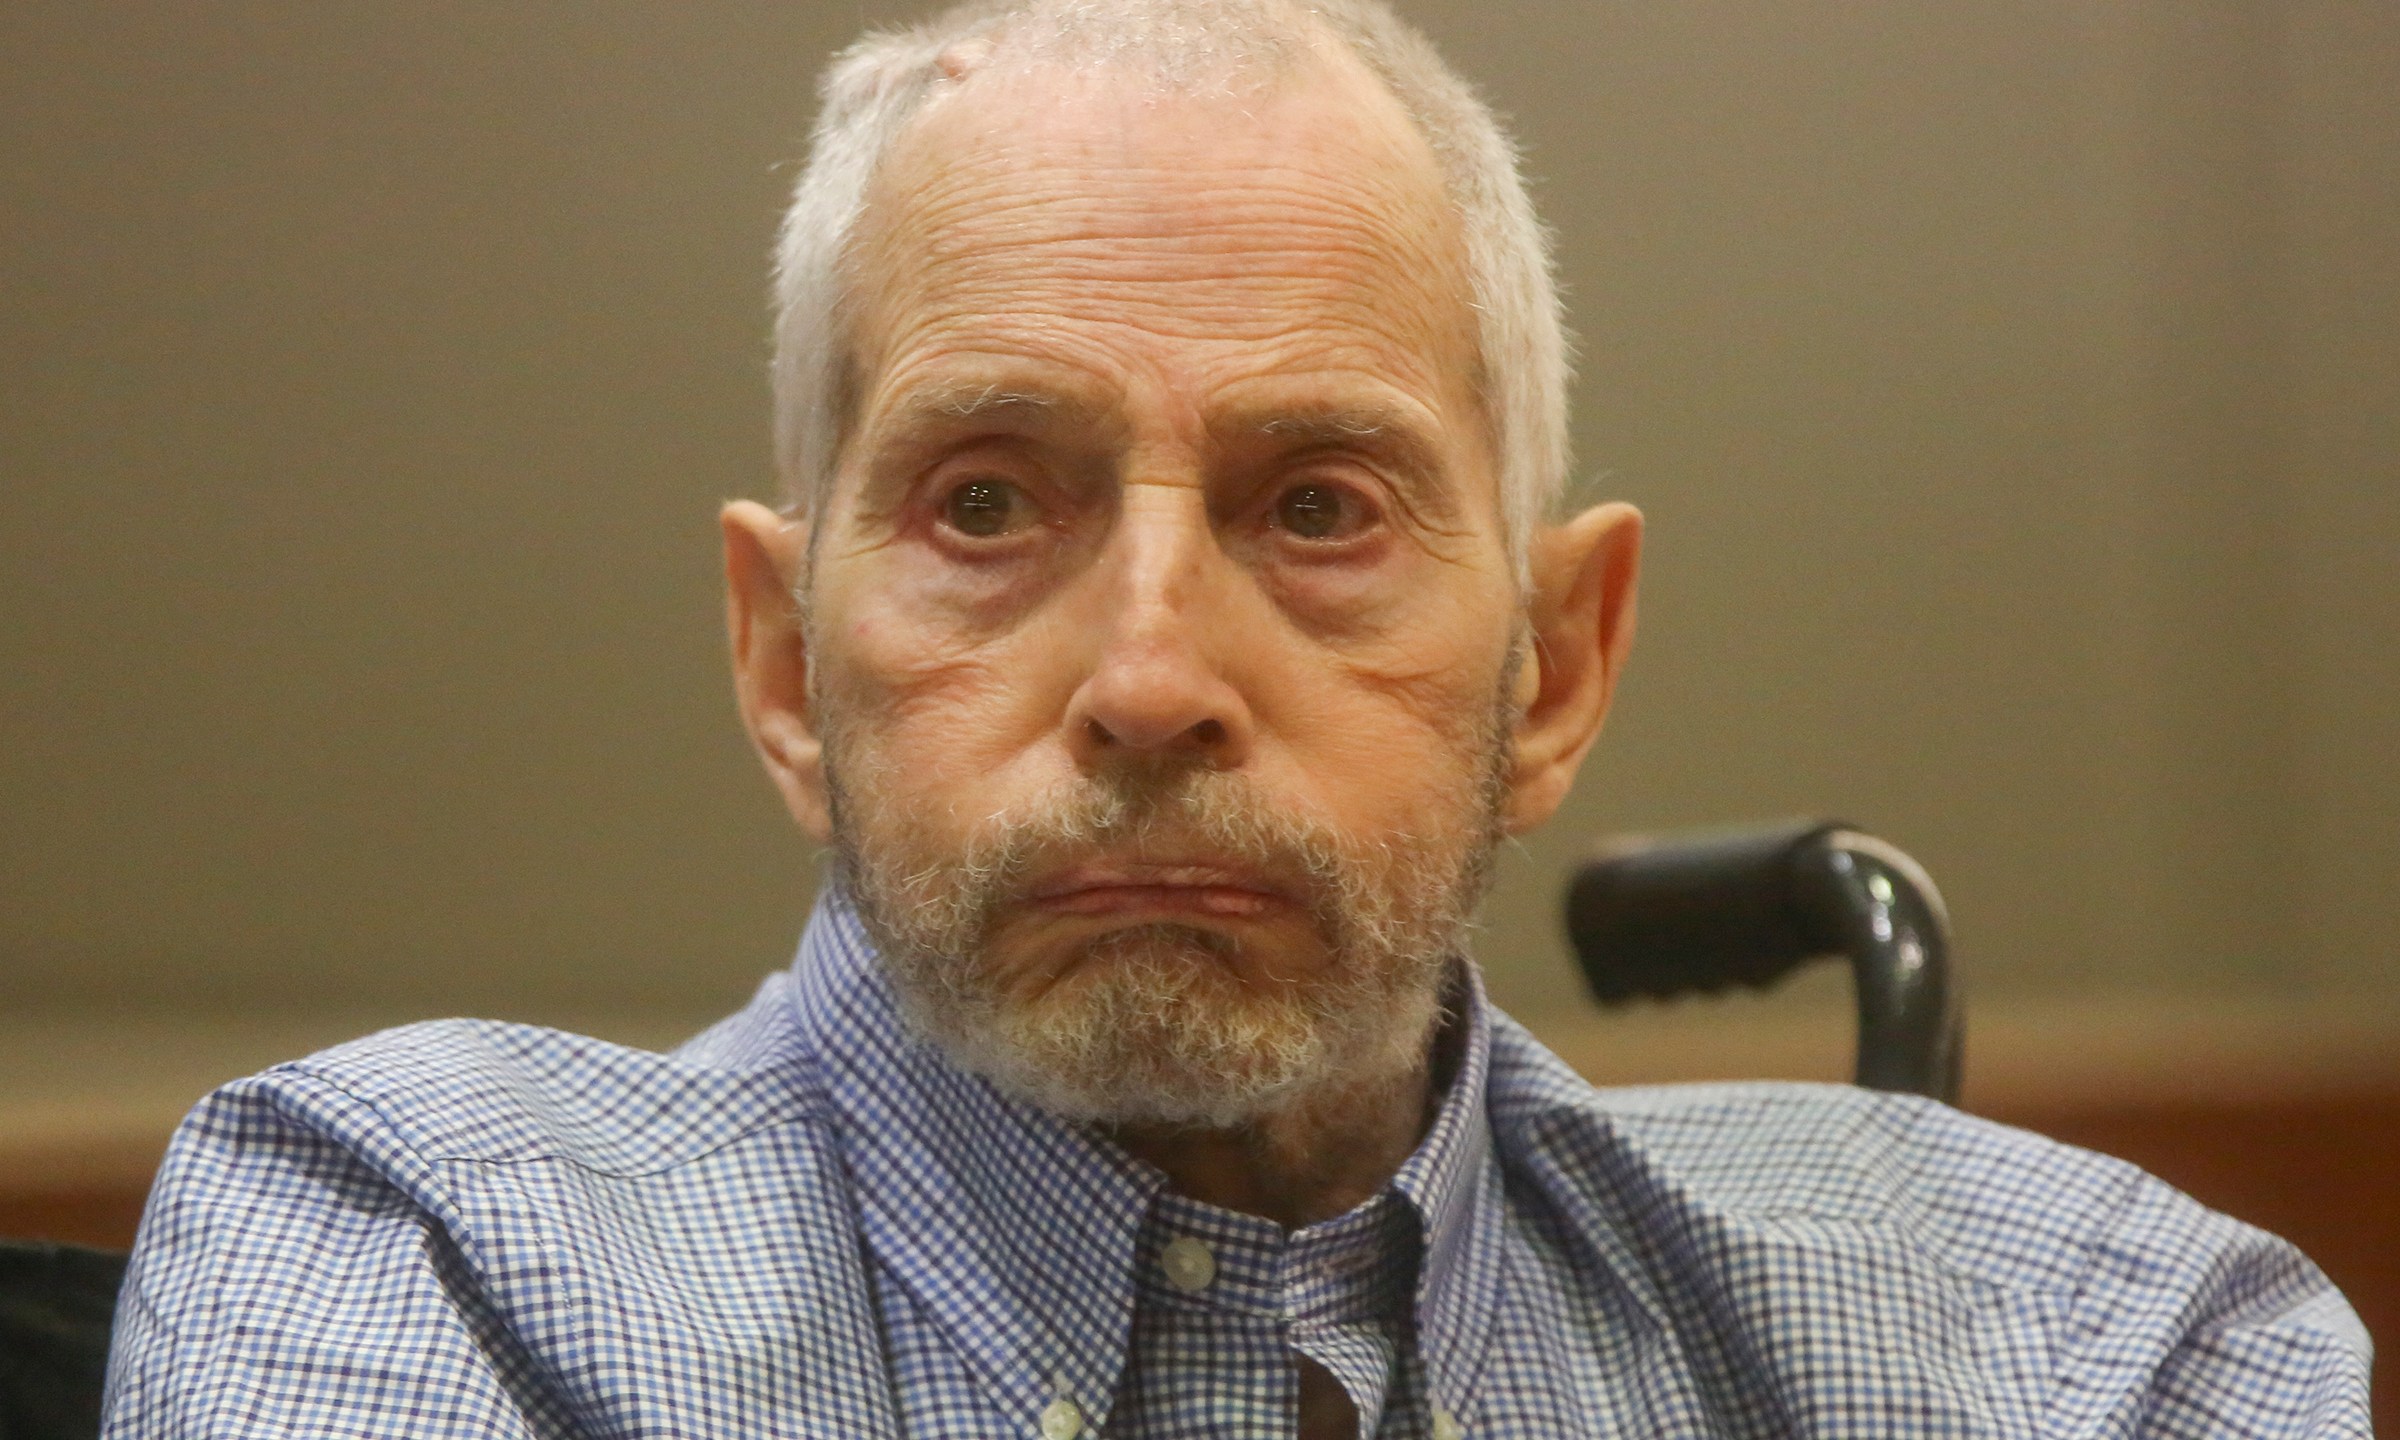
<point>1452,1182</point>
<point>1021,1234</point>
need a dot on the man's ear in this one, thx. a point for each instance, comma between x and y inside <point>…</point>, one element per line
<point>1580,619</point>
<point>764,553</point>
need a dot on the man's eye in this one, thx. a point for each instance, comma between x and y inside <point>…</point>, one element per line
<point>986,507</point>
<point>1320,512</point>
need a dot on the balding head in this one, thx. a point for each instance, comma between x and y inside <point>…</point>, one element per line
<point>875,89</point>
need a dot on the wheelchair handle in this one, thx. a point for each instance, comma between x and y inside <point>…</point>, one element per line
<point>1746,907</point>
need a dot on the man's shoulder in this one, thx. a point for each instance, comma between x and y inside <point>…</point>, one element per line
<point>482,1227</point>
<point>482,1091</point>
<point>1849,1232</point>
<point>1998,1205</point>
<point>1838,1172</point>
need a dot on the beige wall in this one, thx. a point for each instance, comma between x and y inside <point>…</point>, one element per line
<point>2013,388</point>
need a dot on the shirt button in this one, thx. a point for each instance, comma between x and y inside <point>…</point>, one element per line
<point>1189,1265</point>
<point>1061,1420</point>
<point>1446,1426</point>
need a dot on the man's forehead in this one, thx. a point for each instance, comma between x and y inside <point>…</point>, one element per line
<point>1310,217</point>
<point>1012,115</point>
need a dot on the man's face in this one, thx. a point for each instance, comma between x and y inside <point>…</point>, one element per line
<point>1159,619</point>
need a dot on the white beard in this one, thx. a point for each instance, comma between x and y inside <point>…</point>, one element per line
<point>1150,1025</point>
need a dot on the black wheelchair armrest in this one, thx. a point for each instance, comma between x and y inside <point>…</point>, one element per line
<point>1703,912</point>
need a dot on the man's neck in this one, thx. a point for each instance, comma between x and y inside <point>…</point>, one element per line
<point>1308,1162</point>
<point>1313,1160</point>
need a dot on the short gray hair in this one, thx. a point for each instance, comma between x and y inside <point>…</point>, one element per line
<point>873,89</point>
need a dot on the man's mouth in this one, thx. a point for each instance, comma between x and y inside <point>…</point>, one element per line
<point>1132,888</point>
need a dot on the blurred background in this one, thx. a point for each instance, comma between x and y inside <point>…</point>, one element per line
<point>2013,387</point>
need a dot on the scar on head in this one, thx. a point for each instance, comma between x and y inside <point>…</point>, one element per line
<point>959,61</point>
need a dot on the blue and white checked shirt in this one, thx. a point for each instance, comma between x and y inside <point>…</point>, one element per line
<point>806,1223</point>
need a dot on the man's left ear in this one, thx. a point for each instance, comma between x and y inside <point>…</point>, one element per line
<point>1580,619</point>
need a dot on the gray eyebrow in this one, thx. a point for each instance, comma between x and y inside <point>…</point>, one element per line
<point>965,402</point>
<point>922,420</point>
<point>1331,425</point>
<point>972,401</point>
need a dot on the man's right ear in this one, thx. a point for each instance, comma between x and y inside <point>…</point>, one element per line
<point>764,553</point>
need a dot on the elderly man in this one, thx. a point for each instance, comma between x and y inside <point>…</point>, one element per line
<point>1164,629</point>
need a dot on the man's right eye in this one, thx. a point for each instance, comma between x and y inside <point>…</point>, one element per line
<point>985,508</point>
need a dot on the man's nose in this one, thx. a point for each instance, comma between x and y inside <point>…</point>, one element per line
<point>1165,618</point>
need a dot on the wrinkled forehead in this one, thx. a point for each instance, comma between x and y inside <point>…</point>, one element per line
<point>1299,206</point>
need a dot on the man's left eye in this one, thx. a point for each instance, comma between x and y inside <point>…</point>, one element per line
<point>1317,511</point>
<point>986,508</point>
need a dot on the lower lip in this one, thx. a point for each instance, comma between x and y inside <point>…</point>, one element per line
<point>1214,900</point>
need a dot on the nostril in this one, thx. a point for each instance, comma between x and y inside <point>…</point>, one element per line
<point>1099,734</point>
<point>1210,733</point>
